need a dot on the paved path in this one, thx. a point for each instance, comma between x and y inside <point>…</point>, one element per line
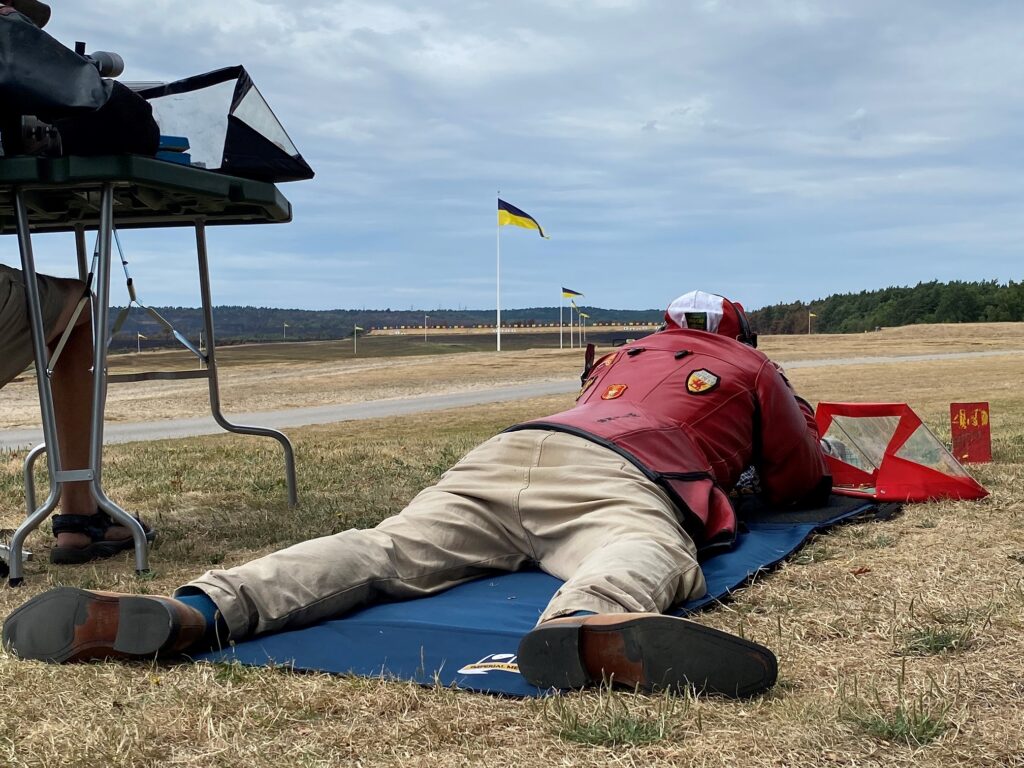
<point>372,409</point>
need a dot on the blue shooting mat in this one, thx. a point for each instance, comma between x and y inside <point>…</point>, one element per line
<point>467,636</point>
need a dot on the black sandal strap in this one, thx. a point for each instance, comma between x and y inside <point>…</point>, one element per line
<point>94,526</point>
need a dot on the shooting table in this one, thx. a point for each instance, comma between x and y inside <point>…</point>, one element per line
<point>75,194</point>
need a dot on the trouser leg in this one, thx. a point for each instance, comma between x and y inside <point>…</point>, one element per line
<point>640,573</point>
<point>459,529</point>
<point>613,535</point>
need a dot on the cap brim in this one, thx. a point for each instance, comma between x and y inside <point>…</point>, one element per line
<point>38,12</point>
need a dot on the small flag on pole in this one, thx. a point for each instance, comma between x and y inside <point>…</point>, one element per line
<point>574,305</point>
<point>568,293</point>
<point>358,328</point>
<point>508,214</point>
<point>584,314</point>
<point>141,336</point>
<point>812,314</point>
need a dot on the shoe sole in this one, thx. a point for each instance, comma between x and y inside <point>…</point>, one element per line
<point>650,653</point>
<point>46,628</point>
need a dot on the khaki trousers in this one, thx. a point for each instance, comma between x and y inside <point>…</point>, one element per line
<point>15,332</point>
<point>577,510</point>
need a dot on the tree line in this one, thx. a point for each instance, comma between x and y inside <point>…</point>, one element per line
<point>932,302</point>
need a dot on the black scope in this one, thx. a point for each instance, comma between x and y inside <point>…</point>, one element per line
<point>108,63</point>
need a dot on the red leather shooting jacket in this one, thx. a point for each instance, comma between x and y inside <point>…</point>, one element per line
<point>692,410</point>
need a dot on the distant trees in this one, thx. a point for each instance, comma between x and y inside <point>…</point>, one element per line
<point>932,302</point>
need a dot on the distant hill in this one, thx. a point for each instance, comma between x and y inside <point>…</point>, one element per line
<point>933,302</point>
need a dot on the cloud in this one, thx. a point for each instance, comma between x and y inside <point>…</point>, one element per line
<point>818,146</point>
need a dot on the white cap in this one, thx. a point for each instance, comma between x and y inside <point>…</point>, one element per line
<point>711,305</point>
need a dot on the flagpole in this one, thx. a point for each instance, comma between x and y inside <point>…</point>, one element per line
<point>498,280</point>
<point>561,304</point>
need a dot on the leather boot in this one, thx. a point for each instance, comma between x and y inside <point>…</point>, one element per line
<point>68,624</point>
<point>645,651</point>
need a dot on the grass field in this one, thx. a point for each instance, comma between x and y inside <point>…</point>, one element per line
<point>900,642</point>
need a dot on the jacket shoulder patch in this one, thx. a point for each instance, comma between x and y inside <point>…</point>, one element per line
<point>701,381</point>
<point>614,391</point>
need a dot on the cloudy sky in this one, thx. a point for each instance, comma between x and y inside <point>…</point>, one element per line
<point>771,150</point>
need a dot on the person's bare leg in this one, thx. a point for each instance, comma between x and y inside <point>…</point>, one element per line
<point>72,403</point>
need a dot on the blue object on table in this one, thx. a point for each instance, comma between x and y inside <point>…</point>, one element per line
<point>174,149</point>
<point>174,144</point>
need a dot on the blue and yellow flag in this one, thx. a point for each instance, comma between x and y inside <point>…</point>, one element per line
<point>510,215</point>
<point>568,293</point>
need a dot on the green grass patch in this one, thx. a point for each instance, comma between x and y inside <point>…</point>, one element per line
<point>816,552</point>
<point>868,536</point>
<point>611,719</point>
<point>912,723</point>
<point>928,641</point>
<point>935,632</point>
<point>233,673</point>
<point>881,541</point>
<point>911,719</point>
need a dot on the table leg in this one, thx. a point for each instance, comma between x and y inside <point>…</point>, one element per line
<point>30,480</point>
<point>211,364</point>
<point>101,321</point>
<point>80,253</point>
<point>28,267</point>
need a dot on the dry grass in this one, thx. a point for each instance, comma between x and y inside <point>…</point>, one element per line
<point>899,644</point>
<point>316,377</point>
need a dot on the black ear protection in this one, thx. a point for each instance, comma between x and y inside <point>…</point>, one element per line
<point>746,336</point>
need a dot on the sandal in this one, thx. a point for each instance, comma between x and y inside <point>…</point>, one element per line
<point>95,527</point>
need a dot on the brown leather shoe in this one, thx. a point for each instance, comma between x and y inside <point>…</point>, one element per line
<point>68,624</point>
<point>649,651</point>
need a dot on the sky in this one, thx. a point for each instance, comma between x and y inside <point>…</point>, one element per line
<point>768,150</point>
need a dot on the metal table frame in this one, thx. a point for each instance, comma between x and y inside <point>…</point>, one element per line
<point>76,194</point>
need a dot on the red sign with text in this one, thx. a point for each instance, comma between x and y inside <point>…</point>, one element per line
<point>972,436</point>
